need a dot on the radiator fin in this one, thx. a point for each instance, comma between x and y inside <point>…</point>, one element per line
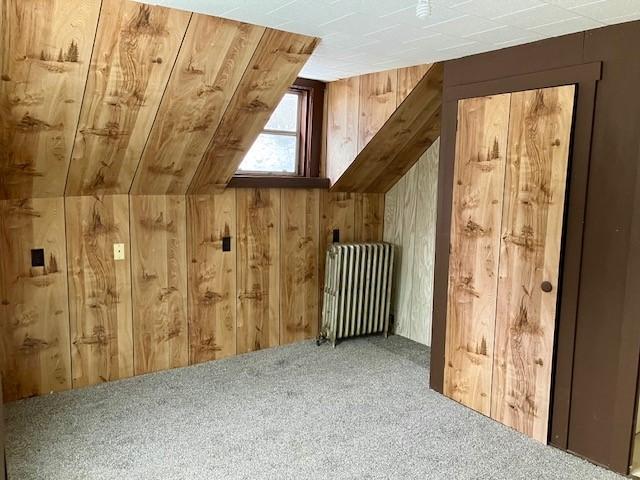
<point>357,290</point>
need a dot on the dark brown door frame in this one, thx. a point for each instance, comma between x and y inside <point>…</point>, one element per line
<point>585,77</point>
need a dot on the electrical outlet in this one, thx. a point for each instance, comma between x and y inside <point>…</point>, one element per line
<point>118,251</point>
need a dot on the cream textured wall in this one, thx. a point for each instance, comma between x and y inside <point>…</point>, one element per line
<point>410,224</point>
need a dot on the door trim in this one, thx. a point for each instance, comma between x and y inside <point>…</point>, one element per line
<point>585,77</point>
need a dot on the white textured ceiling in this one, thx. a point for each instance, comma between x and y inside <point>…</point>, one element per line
<point>362,36</point>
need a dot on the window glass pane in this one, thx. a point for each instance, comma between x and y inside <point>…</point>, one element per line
<point>285,116</point>
<point>271,153</point>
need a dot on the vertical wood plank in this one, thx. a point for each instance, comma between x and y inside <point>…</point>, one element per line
<point>378,98</point>
<point>337,212</point>
<point>135,49</point>
<point>408,202</point>
<point>299,265</point>
<point>368,217</point>
<point>34,308</point>
<point>212,276</point>
<point>424,245</point>
<point>99,289</point>
<point>393,222</point>
<point>532,219</point>
<point>343,98</point>
<point>408,78</point>
<point>159,276</point>
<point>213,57</point>
<point>45,46</point>
<point>273,68</point>
<point>480,158</point>
<point>258,323</point>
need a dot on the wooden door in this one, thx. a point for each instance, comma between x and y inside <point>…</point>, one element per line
<point>481,149</point>
<point>506,235</point>
<point>532,219</point>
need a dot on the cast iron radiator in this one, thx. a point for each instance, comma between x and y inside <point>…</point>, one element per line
<point>357,290</point>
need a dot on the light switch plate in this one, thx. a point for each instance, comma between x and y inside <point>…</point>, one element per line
<point>118,251</point>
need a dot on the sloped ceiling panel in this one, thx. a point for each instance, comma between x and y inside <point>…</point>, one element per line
<point>118,97</point>
<point>211,63</point>
<point>45,46</point>
<point>401,141</point>
<point>135,50</point>
<point>273,68</point>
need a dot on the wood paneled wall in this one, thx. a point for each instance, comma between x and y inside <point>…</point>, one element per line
<point>258,268</point>
<point>45,47</point>
<point>159,277</point>
<point>400,140</point>
<point>116,96</point>
<point>410,225</point>
<point>135,48</point>
<point>99,289</point>
<point>212,276</point>
<point>176,298</point>
<point>357,107</point>
<point>34,307</point>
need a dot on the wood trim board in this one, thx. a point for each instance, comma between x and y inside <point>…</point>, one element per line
<point>570,280</point>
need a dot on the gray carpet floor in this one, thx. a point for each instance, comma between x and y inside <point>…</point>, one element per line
<point>360,411</point>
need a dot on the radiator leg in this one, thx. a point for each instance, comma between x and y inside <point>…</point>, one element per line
<point>322,338</point>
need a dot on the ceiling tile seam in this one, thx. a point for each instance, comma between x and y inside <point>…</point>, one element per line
<point>495,29</point>
<point>281,7</point>
<point>337,19</point>
<point>200,166</point>
<point>84,92</point>
<point>419,39</point>
<point>452,47</point>
<point>448,20</point>
<point>557,22</point>
<point>164,92</point>
<point>383,29</point>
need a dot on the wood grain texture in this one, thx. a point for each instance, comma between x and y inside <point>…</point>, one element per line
<point>337,213</point>
<point>45,47</point>
<point>378,100</point>
<point>537,158</point>
<point>408,205</point>
<point>424,245</point>
<point>480,158</point>
<point>393,233</point>
<point>396,147</point>
<point>343,99</point>
<point>34,312</point>
<point>99,289</point>
<point>368,217</point>
<point>211,63</point>
<point>212,276</point>
<point>300,231</point>
<point>408,78</point>
<point>413,271</point>
<point>258,319</point>
<point>276,63</point>
<point>135,49</point>
<point>159,278</point>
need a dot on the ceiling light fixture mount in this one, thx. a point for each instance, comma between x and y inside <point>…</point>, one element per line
<point>424,9</point>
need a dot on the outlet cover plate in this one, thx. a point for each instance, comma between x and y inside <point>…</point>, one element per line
<point>118,251</point>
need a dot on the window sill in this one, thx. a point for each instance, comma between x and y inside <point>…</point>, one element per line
<point>274,181</point>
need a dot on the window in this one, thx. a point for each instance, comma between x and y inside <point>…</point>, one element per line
<point>290,143</point>
<point>277,148</point>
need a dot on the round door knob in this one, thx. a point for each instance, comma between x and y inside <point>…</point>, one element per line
<point>546,286</point>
